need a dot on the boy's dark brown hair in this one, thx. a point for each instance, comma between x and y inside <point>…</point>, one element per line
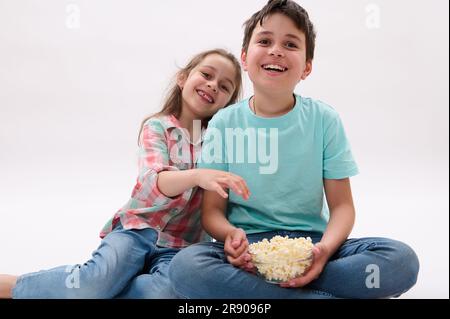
<point>291,10</point>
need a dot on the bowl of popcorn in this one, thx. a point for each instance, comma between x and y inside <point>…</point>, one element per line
<point>281,259</point>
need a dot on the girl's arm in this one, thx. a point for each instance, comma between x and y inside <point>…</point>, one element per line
<point>174,183</point>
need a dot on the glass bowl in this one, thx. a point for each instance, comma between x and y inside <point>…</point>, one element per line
<point>281,270</point>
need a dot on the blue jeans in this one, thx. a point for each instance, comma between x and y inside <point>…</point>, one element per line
<point>127,264</point>
<point>361,268</point>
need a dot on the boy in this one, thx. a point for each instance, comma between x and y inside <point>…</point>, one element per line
<point>309,156</point>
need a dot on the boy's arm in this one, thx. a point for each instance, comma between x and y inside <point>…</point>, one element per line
<point>214,220</point>
<point>342,213</point>
<point>342,217</point>
<point>216,224</point>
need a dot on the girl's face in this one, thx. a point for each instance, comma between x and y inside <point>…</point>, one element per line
<point>208,87</point>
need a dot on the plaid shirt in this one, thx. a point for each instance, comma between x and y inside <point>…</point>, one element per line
<point>177,219</point>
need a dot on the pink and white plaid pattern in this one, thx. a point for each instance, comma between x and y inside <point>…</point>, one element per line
<point>176,219</point>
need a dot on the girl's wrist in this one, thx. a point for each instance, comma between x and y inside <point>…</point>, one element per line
<point>196,176</point>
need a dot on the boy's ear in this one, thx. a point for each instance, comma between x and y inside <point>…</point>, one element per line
<point>244,60</point>
<point>307,71</point>
<point>181,80</point>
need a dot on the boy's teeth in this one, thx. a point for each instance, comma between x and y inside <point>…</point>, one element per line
<point>274,67</point>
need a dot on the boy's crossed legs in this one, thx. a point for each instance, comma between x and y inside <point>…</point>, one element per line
<point>346,275</point>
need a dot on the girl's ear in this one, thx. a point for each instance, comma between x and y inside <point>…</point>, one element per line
<point>244,60</point>
<point>181,79</point>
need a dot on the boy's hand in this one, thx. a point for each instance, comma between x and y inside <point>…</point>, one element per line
<point>321,256</point>
<point>235,247</point>
<point>218,181</point>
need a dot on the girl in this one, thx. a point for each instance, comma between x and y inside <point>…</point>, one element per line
<point>162,215</point>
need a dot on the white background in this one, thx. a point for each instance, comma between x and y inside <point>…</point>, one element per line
<point>77,77</point>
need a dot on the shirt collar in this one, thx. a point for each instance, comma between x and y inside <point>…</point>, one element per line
<point>171,122</point>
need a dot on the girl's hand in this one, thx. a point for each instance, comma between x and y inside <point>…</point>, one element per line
<point>320,258</point>
<point>235,247</point>
<point>218,181</point>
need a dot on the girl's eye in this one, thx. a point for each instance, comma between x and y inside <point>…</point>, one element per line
<point>225,88</point>
<point>206,75</point>
<point>264,42</point>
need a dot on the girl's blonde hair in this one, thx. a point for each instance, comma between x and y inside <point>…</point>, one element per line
<point>173,100</point>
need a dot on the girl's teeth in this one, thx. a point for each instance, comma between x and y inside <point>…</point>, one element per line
<point>203,94</point>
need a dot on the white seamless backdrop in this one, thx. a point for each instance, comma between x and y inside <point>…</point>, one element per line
<point>77,77</point>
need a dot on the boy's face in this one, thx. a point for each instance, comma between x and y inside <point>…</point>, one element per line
<point>276,55</point>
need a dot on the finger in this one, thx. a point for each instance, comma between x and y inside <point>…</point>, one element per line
<point>242,249</point>
<point>228,183</point>
<point>228,248</point>
<point>236,242</point>
<point>235,261</point>
<point>248,267</point>
<point>220,191</point>
<point>302,281</point>
<point>235,247</point>
<point>244,187</point>
<point>239,235</point>
<point>239,261</point>
<point>235,186</point>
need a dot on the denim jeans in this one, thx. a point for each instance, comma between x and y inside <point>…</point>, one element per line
<point>202,271</point>
<point>127,264</point>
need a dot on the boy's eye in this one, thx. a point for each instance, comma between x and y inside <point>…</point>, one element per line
<point>291,45</point>
<point>264,42</point>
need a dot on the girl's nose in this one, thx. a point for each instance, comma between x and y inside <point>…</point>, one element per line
<point>212,87</point>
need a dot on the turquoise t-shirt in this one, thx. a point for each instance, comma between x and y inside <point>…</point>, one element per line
<point>283,160</point>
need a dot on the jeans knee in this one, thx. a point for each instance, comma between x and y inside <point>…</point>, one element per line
<point>80,285</point>
<point>189,267</point>
<point>181,265</point>
<point>407,263</point>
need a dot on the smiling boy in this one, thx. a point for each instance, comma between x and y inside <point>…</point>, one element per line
<point>315,159</point>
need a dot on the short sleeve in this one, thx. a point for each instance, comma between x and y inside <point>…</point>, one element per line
<point>213,155</point>
<point>338,161</point>
<point>153,158</point>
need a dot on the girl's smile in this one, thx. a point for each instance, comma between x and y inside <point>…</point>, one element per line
<point>205,96</point>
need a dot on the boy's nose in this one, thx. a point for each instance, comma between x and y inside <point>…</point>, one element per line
<point>275,51</point>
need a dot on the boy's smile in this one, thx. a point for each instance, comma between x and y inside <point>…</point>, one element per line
<point>274,69</point>
<point>276,55</point>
